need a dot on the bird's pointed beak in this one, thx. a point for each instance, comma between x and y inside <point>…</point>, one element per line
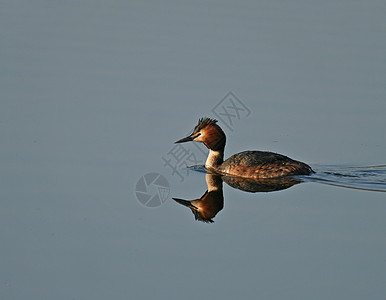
<point>184,202</point>
<point>187,139</point>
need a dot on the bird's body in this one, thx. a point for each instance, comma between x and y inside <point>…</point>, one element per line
<point>247,164</point>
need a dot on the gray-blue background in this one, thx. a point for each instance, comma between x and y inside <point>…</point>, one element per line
<point>93,95</point>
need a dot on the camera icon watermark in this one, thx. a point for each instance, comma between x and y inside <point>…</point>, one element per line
<point>152,189</point>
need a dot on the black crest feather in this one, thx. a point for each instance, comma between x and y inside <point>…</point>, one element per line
<point>203,122</point>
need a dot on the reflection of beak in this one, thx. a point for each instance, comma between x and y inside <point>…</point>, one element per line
<point>185,203</point>
<point>187,139</point>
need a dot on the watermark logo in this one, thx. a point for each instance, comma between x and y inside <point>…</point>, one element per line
<point>152,190</point>
<point>230,108</point>
<point>181,156</point>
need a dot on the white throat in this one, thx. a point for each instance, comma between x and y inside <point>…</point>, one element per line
<point>215,158</point>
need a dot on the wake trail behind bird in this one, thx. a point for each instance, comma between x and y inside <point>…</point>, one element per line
<point>368,178</point>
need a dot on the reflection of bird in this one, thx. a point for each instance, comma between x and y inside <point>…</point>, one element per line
<point>247,164</point>
<point>206,208</point>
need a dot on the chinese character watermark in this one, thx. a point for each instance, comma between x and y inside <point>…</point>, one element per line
<point>230,108</point>
<point>181,156</point>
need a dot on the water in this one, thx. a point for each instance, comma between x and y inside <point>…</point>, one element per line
<point>93,95</point>
<point>367,178</point>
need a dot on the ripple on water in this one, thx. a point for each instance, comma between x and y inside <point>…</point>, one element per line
<point>370,178</point>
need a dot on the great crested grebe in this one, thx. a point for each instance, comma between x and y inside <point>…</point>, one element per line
<point>247,164</point>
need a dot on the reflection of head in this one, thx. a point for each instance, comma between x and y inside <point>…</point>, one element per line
<point>206,208</point>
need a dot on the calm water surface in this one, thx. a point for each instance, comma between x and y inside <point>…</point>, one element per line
<point>93,96</point>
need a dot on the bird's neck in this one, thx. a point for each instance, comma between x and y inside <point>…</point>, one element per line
<point>215,158</point>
